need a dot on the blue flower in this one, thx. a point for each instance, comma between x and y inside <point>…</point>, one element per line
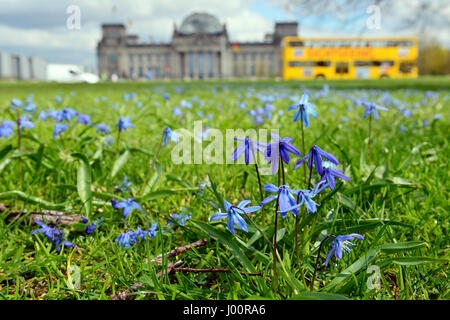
<point>53,114</point>
<point>304,109</point>
<point>315,154</point>
<point>125,239</point>
<point>166,96</point>
<point>372,108</point>
<point>58,241</point>
<point>124,123</point>
<point>42,116</point>
<point>186,104</point>
<point>282,148</point>
<point>30,107</point>
<point>329,174</point>
<point>16,103</point>
<point>286,201</point>
<point>124,185</point>
<point>91,227</point>
<point>233,215</point>
<point>7,128</point>
<point>49,232</point>
<point>305,196</point>
<point>341,243</point>
<point>151,233</point>
<point>181,218</point>
<point>248,148</point>
<point>58,129</point>
<point>24,122</point>
<point>67,114</point>
<point>177,112</point>
<point>102,127</point>
<point>127,206</point>
<point>54,234</point>
<point>84,119</point>
<point>169,134</point>
<point>201,188</point>
<point>407,113</point>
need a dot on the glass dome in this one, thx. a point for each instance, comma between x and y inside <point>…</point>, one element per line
<point>200,23</point>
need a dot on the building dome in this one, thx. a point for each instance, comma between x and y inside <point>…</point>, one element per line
<point>200,23</point>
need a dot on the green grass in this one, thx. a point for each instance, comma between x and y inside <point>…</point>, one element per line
<point>398,200</point>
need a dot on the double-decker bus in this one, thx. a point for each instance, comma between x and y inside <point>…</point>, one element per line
<point>349,58</point>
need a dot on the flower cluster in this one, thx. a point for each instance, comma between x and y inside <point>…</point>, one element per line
<point>53,234</point>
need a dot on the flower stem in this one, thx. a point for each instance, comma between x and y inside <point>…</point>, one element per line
<point>370,138</point>
<point>275,234</point>
<point>19,145</point>
<point>278,256</point>
<point>296,235</point>
<point>317,261</point>
<point>257,174</point>
<point>303,152</point>
<point>153,162</point>
<point>297,246</point>
<point>310,174</point>
<point>118,141</point>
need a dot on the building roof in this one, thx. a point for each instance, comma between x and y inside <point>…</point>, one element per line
<point>200,22</point>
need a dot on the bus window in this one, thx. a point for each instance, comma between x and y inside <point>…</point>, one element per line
<point>405,67</point>
<point>358,63</point>
<point>309,63</point>
<point>296,43</point>
<point>341,67</point>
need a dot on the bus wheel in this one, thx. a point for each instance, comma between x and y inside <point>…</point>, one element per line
<point>320,77</point>
<point>384,76</point>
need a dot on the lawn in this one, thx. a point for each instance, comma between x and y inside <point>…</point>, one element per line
<point>123,210</point>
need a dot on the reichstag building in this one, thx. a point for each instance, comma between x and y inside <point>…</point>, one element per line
<point>200,49</point>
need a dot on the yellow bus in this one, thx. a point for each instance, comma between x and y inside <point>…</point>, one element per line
<point>349,58</point>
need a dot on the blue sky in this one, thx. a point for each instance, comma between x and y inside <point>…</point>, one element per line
<point>39,28</point>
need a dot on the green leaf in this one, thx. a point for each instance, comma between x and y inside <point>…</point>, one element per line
<point>227,239</point>
<point>280,234</point>
<point>356,267</point>
<point>345,201</point>
<point>413,261</point>
<point>31,199</point>
<point>412,154</point>
<point>84,181</point>
<point>119,163</point>
<point>154,178</point>
<point>401,246</point>
<point>4,163</point>
<point>162,194</point>
<point>377,184</point>
<point>313,295</point>
<point>216,193</point>
<point>351,226</point>
<point>6,149</point>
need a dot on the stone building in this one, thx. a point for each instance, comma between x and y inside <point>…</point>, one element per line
<point>199,49</point>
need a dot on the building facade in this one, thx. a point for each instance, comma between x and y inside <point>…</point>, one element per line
<point>21,67</point>
<point>199,49</point>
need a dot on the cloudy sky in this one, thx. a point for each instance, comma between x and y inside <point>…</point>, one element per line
<point>39,28</point>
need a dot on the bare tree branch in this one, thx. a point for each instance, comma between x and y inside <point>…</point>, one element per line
<point>46,216</point>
